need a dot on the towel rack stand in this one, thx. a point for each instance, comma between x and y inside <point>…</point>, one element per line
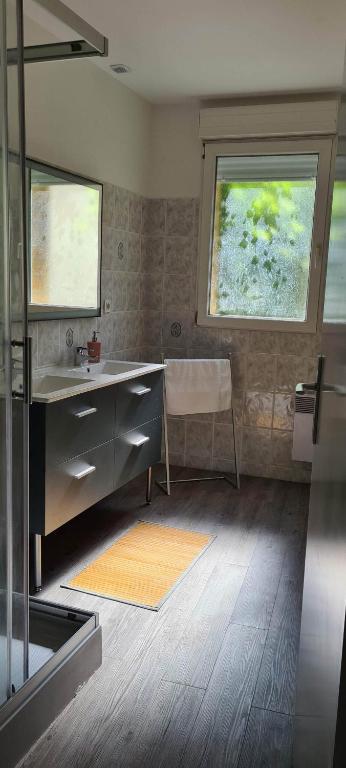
<point>165,485</point>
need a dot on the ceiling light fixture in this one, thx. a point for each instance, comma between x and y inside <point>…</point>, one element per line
<point>120,69</point>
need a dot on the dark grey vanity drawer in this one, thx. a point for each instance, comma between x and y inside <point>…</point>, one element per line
<point>138,401</point>
<point>79,423</point>
<point>75,485</point>
<point>137,450</point>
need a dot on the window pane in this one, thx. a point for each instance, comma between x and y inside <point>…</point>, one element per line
<point>64,243</point>
<point>262,231</point>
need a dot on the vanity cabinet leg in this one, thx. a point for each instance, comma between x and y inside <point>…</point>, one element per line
<point>37,562</point>
<point>149,485</point>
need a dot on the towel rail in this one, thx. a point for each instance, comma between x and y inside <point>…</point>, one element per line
<point>165,485</point>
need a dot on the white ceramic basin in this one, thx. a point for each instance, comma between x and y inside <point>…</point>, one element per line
<point>110,367</point>
<point>44,385</point>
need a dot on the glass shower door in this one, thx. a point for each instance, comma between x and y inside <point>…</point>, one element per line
<point>14,363</point>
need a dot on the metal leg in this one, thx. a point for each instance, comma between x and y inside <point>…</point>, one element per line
<point>37,562</point>
<point>165,485</point>
<point>149,485</point>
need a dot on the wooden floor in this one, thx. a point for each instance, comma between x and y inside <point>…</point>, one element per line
<point>209,680</point>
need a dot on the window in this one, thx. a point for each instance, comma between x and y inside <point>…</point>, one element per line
<point>262,231</point>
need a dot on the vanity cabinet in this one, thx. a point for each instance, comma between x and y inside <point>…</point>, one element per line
<point>84,447</point>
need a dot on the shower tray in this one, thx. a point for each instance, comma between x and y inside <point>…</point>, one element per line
<point>65,649</point>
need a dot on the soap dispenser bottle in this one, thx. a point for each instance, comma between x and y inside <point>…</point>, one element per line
<point>94,349</point>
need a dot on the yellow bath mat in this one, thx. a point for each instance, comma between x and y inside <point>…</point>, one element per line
<point>142,566</point>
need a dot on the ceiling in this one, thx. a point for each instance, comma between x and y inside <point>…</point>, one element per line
<point>188,49</point>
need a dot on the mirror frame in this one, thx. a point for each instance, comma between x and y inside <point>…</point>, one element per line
<point>50,312</point>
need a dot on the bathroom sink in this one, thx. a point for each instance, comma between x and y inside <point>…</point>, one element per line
<point>47,384</point>
<point>113,368</point>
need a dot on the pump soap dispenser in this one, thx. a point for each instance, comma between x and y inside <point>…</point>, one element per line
<point>94,349</point>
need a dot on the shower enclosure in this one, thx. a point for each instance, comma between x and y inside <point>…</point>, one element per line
<point>46,651</point>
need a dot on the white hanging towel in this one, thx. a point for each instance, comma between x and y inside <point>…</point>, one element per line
<point>197,386</point>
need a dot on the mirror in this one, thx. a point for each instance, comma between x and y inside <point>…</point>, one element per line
<point>64,232</point>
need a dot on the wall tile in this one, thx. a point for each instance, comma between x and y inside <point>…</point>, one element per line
<point>48,343</point>
<point>256,446</point>
<point>296,343</point>
<point>258,409</point>
<point>196,462</point>
<point>263,341</point>
<point>286,372</point>
<point>119,290</point>
<point>260,372</point>
<point>196,220</point>
<point>108,247</point>
<point>154,217</point>
<point>223,465</point>
<point>206,338</point>
<point>132,330</point>
<point>199,417</point>
<point>106,287</point>
<point>223,446</point>
<point>121,209</point>
<point>134,252</point>
<point>180,216</point>
<point>282,448</point>
<point>180,255</point>
<point>108,205</point>
<point>135,213</point>
<point>177,328</point>
<point>152,255</point>
<point>238,371</point>
<point>151,291</point>
<point>120,258</point>
<point>283,412</point>
<point>176,436</point>
<point>199,439</point>
<point>177,292</point>
<point>235,342</point>
<point>132,290</point>
<point>151,328</point>
<point>107,333</point>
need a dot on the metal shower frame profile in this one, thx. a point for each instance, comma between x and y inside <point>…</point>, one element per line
<point>91,42</point>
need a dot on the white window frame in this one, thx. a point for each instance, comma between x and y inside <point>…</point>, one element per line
<point>323,147</point>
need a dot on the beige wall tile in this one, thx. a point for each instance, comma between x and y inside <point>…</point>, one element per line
<point>135,212</point>
<point>233,342</point>
<point>152,258</point>
<point>176,436</point>
<point>177,291</point>
<point>154,217</point>
<point>177,328</point>
<point>263,341</point>
<point>121,209</point>
<point>199,439</point>
<point>151,291</point>
<point>256,446</point>
<point>180,255</point>
<point>223,446</point>
<point>180,216</point>
<point>258,409</point>
<point>282,448</point>
<point>283,412</point>
<point>260,374</point>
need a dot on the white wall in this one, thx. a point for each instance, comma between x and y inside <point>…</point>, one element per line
<point>175,152</point>
<point>82,119</point>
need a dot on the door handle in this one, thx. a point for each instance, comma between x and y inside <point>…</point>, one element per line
<point>85,412</point>
<point>304,388</point>
<point>26,346</point>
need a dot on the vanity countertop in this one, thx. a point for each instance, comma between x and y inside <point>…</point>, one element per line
<point>48,383</point>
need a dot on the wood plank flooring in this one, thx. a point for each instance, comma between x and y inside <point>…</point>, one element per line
<point>208,681</point>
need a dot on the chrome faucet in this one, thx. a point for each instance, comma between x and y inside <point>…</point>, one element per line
<point>81,358</point>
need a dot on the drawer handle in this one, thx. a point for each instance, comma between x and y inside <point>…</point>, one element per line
<point>84,472</point>
<point>140,391</point>
<point>138,441</point>
<point>86,412</point>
